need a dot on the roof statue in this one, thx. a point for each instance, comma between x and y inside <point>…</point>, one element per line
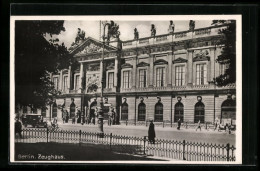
<point>171,27</point>
<point>80,36</point>
<point>192,25</point>
<point>153,30</point>
<point>136,34</point>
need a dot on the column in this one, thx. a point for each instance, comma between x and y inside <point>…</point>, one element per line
<point>116,72</point>
<point>101,74</point>
<point>190,63</point>
<point>212,64</point>
<point>169,83</point>
<point>81,75</point>
<point>134,73</point>
<point>151,71</point>
<point>60,80</point>
<point>69,78</point>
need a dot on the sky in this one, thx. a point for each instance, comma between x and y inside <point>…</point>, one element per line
<point>126,28</point>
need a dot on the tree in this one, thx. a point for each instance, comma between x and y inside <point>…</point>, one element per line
<point>35,58</point>
<point>228,53</point>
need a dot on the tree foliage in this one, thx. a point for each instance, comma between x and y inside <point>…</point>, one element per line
<point>228,53</point>
<point>35,58</point>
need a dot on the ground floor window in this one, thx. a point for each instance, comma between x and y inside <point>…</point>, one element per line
<point>124,111</point>
<point>141,112</point>
<point>228,112</point>
<point>54,110</point>
<point>158,117</point>
<point>178,112</point>
<point>199,112</point>
<point>93,106</point>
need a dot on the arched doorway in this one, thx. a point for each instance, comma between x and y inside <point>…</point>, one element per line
<point>124,111</point>
<point>178,112</point>
<point>158,115</point>
<point>93,106</point>
<point>199,112</point>
<point>228,112</point>
<point>72,110</point>
<point>54,110</point>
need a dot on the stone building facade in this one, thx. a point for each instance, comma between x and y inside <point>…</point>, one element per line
<point>162,77</point>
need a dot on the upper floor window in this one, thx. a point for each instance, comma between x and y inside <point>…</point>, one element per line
<point>222,68</point>
<point>126,79</point>
<point>110,80</point>
<point>142,78</point>
<point>77,82</point>
<point>56,82</point>
<point>65,83</point>
<point>179,75</point>
<point>201,74</point>
<point>160,77</point>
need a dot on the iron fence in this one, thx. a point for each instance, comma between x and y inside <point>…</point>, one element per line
<point>172,149</point>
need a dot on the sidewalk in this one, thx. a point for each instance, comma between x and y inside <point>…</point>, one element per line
<point>137,127</point>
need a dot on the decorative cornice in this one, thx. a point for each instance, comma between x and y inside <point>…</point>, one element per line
<point>127,65</point>
<point>179,60</point>
<point>142,64</point>
<point>160,62</point>
<point>201,56</point>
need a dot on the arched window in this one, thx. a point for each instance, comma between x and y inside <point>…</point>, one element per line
<point>54,110</point>
<point>199,112</point>
<point>141,111</point>
<point>178,112</point>
<point>158,117</point>
<point>93,106</point>
<point>124,111</point>
<point>228,111</point>
<point>72,109</point>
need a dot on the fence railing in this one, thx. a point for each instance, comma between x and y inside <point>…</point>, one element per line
<point>181,150</point>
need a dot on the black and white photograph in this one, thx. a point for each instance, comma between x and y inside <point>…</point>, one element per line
<point>164,89</point>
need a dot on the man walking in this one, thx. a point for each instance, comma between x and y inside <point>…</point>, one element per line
<point>179,124</point>
<point>198,127</point>
<point>18,128</point>
<point>151,133</point>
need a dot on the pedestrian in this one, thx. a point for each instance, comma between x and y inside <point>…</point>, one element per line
<point>151,133</point>
<point>67,116</point>
<point>198,127</point>
<point>179,124</point>
<point>18,128</point>
<point>78,116</point>
<point>113,116</point>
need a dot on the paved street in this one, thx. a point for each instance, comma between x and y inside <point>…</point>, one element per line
<point>209,136</point>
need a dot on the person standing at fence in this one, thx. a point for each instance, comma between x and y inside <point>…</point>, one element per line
<point>179,124</point>
<point>151,133</point>
<point>198,127</point>
<point>113,116</point>
<point>18,127</point>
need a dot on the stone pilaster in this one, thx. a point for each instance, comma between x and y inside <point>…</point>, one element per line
<point>190,68</point>
<point>60,80</point>
<point>116,72</point>
<point>134,72</point>
<point>151,70</point>
<point>170,65</point>
<point>81,76</point>
<point>101,74</point>
<point>212,64</point>
<point>69,78</point>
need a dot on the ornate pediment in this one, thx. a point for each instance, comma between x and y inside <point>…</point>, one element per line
<point>202,55</point>
<point>179,60</point>
<point>142,64</point>
<point>89,46</point>
<point>126,65</point>
<point>160,62</point>
<point>93,67</point>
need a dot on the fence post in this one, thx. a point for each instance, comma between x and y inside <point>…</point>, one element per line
<point>110,141</point>
<point>144,143</point>
<point>47,133</point>
<point>183,151</point>
<point>79,137</point>
<point>228,147</point>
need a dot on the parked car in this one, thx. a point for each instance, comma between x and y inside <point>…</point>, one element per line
<point>35,120</point>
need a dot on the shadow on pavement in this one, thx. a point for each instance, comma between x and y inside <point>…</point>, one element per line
<point>75,152</point>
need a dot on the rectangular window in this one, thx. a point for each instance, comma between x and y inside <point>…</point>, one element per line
<point>160,77</point>
<point>77,82</point>
<point>142,78</point>
<point>201,74</point>
<point>110,80</point>
<point>56,82</point>
<point>126,79</point>
<point>179,75</point>
<point>65,83</point>
<point>222,68</point>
